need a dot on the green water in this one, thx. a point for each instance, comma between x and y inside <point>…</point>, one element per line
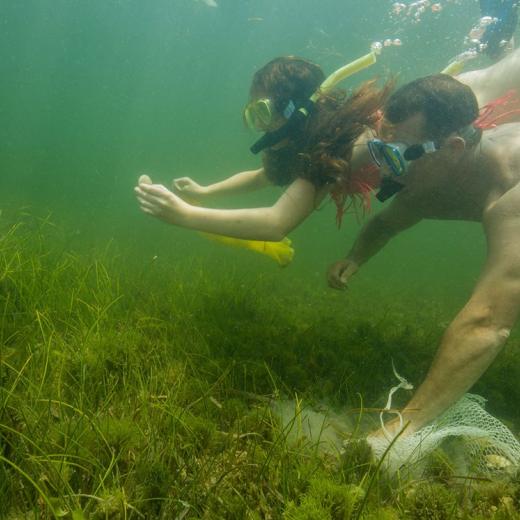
<point>93,93</point>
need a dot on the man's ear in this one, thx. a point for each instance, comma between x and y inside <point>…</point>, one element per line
<point>456,143</point>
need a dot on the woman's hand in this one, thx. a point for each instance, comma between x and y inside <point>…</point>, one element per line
<point>188,189</point>
<point>160,202</point>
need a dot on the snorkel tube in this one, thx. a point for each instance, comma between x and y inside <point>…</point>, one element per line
<point>298,117</point>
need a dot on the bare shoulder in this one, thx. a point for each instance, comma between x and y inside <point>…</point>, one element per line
<point>478,81</point>
<point>503,142</point>
<point>494,81</point>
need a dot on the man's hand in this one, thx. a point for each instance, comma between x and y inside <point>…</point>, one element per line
<point>339,273</point>
<point>188,189</point>
<point>160,202</point>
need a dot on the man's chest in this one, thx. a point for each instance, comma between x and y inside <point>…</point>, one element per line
<point>451,200</point>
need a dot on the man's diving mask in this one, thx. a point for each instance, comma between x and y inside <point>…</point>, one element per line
<point>397,156</point>
<point>261,114</point>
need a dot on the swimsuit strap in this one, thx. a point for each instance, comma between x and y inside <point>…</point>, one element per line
<point>494,112</point>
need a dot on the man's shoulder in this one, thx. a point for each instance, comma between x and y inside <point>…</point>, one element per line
<point>504,131</point>
<point>503,205</point>
<point>501,146</point>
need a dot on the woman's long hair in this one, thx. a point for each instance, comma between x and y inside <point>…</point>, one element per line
<point>339,119</point>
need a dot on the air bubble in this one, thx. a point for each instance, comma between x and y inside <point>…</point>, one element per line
<point>377,47</point>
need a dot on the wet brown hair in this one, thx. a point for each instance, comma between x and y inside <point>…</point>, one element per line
<point>321,151</point>
<point>447,105</point>
<point>285,79</point>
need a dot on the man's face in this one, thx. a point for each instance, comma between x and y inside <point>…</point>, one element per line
<point>405,137</point>
<point>408,132</point>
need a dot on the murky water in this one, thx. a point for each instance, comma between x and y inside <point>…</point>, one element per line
<point>93,93</point>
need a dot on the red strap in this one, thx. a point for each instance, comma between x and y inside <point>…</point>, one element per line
<point>498,110</point>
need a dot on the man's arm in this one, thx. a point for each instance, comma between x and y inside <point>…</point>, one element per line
<point>242,182</point>
<point>374,235</point>
<point>269,223</point>
<point>479,331</point>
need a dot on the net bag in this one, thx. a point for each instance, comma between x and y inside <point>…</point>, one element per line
<point>486,446</point>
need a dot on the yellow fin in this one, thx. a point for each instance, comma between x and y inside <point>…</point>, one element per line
<point>281,252</point>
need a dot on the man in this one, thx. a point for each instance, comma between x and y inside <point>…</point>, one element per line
<point>447,168</point>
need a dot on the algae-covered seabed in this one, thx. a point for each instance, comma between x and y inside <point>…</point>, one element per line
<point>139,363</point>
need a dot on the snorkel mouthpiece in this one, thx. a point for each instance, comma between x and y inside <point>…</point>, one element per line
<point>416,151</point>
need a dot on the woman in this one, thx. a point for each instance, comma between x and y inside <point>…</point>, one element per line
<point>313,160</point>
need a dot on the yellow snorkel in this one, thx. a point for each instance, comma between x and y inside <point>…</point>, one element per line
<point>299,114</point>
<point>457,64</point>
<point>344,72</point>
<point>454,68</point>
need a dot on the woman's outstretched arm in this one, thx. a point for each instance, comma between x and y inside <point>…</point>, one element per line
<point>271,223</point>
<point>242,182</point>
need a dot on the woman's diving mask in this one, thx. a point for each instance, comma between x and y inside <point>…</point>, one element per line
<point>261,114</point>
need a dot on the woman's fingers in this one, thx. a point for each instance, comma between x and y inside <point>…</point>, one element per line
<point>152,201</point>
<point>181,183</point>
<point>159,201</point>
<point>155,189</point>
<point>150,205</point>
<point>145,179</point>
<point>146,204</point>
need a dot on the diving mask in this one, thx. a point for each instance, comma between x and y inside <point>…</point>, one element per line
<point>261,114</point>
<point>397,156</point>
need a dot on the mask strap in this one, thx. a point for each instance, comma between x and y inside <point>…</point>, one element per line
<point>289,109</point>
